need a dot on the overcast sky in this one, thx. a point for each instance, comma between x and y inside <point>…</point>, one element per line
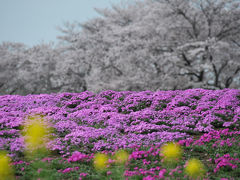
<point>34,21</point>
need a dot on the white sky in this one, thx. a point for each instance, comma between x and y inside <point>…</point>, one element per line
<point>34,21</point>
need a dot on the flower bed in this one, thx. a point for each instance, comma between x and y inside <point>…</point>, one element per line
<point>86,123</point>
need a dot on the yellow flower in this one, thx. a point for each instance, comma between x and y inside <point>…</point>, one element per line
<point>100,161</point>
<point>5,168</point>
<point>195,168</point>
<point>36,134</point>
<point>171,151</point>
<point>121,157</point>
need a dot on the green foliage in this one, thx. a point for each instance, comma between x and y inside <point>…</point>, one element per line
<point>194,107</point>
<point>121,98</point>
<point>217,124</point>
<point>73,105</point>
<point>160,107</point>
<point>196,97</point>
<point>224,117</point>
<point>183,104</point>
<point>141,105</point>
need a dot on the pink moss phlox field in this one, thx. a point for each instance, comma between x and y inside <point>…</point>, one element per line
<point>78,156</point>
<point>215,135</point>
<point>226,160</point>
<point>88,122</point>
<point>67,170</point>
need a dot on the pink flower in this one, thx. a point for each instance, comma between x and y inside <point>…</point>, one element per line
<point>67,170</point>
<point>209,160</point>
<point>225,160</point>
<point>83,174</point>
<point>111,161</point>
<point>39,170</point>
<point>161,173</point>
<point>149,178</point>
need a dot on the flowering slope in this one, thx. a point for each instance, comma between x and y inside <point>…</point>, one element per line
<point>110,120</point>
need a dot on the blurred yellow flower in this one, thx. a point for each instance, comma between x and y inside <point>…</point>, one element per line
<point>100,161</point>
<point>5,168</point>
<point>36,134</point>
<point>121,156</point>
<point>171,151</point>
<point>194,168</point>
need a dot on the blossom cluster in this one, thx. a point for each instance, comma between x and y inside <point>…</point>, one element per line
<point>226,160</point>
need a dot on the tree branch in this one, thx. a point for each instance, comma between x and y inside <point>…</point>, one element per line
<point>235,42</point>
<point>186,59</point>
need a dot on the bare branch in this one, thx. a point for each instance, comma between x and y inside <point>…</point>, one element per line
<point>185,59</point>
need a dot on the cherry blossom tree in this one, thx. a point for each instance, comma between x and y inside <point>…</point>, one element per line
<point>11,58</point>
<point>136,45</point>
<point>159,44</point>
<point>208,49</point>
<point>39,69</point>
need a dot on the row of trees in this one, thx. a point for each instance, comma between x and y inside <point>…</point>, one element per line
<point>40,69</point>
<point>149,44</point>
